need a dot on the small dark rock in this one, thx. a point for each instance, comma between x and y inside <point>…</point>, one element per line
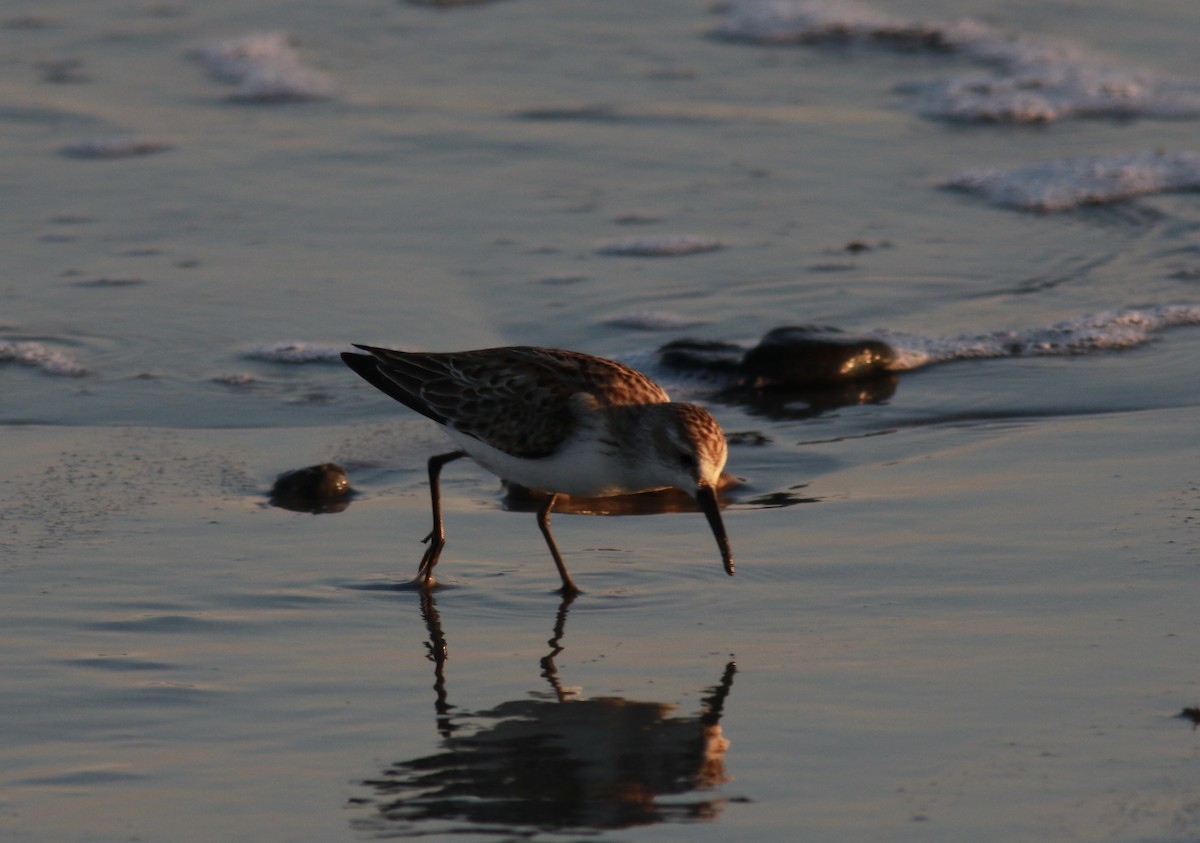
<point>317,489</point>
<point>857,247</point>
<point>808,354</point>
<point>793,373</point>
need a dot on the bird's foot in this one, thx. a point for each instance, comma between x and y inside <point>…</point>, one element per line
<point>430,557</point>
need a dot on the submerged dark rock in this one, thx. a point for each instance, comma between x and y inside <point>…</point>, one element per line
<point>794,371</point>
<point>800,355</point>
<point>317,489</point>
<point>806,354</point>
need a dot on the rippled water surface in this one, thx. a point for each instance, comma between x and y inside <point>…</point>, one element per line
<point>965,598</point>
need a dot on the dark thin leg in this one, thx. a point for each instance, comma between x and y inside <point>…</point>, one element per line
<point>437,536</point>
<point>543,517</point>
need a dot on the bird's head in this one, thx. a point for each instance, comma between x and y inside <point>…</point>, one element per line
<point>690,452</point>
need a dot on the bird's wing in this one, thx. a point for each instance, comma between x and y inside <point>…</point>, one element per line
<point>516,399</point>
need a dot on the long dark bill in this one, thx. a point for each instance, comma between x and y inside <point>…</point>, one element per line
<point>707,497</point>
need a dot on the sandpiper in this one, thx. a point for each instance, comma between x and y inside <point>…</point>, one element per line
<point>556,421</point>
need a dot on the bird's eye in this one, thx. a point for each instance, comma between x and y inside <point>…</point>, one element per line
<point>686,460</point>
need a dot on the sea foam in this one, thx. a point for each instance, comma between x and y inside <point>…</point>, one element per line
<point>1065,184</point>
<point>265,68</point>
<point>1026,78</point>
<point>1109,330</point>
<point>296,351</point>
<point>38,356</point>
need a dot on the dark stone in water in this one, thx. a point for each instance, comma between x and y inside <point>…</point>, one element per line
<point>1192,714</point>
<point>802,355</point>
<point>317,489</point>
<point>794,372</point>
<point>807,354</point>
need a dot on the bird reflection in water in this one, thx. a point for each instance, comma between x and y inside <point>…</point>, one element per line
<point>553,762</point>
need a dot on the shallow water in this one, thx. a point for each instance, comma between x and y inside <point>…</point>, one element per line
<point>964,607</point>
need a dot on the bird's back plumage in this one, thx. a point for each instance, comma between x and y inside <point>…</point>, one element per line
<point>518,399</point>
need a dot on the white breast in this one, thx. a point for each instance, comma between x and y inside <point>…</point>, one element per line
<point>583,467</point>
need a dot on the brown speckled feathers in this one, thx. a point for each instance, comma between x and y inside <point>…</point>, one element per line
<point>516,399</point>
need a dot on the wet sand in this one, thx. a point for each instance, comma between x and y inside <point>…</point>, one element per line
<point>974,616</point>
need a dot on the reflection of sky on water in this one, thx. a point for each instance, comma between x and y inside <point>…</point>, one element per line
<point>552,762</point>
